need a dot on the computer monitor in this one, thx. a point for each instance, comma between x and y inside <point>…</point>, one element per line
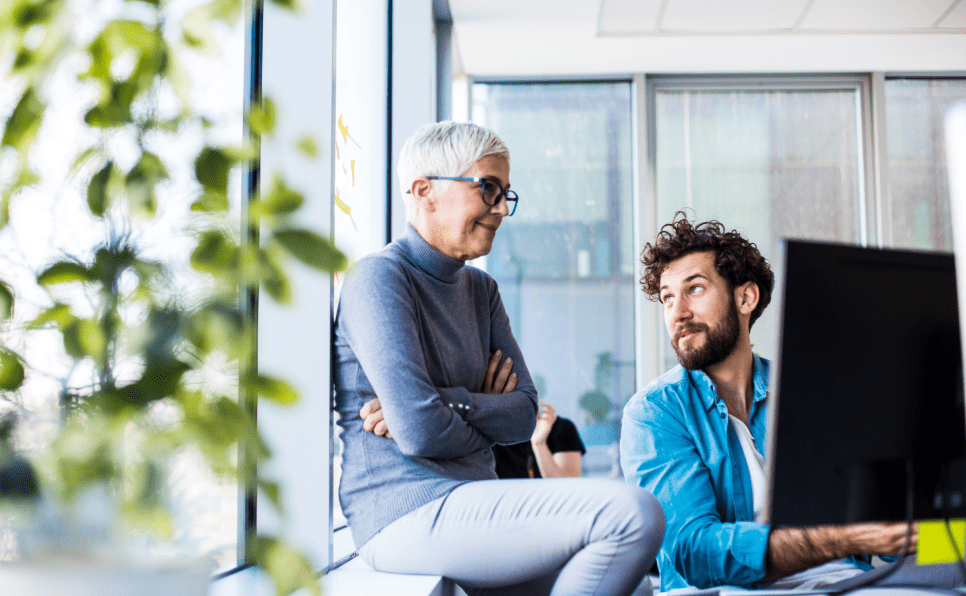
<point>867,385</point>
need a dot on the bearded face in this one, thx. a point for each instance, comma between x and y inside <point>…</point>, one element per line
<point>720,340</point>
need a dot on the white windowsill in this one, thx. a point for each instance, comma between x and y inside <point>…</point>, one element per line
<point>355,578</point>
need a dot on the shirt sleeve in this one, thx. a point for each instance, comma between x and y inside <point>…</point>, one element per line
<point>377,314</point>
<point>659,454</point>
<point>564,437</point>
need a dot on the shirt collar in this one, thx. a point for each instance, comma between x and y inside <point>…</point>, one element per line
<point>709,394</point>
<point>425,257</point>
<point>760,378</point>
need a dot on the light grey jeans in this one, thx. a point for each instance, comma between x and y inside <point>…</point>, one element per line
<point>555,536</point>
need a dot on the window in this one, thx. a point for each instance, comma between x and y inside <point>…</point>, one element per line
<point>771,158</point>
<point>918,183</point>
<point>49,223</point>
<point>565,261</point>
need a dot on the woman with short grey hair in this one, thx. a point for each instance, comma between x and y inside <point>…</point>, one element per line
<point>429,377</point>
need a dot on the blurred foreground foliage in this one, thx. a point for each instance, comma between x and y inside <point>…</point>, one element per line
<point>121,314</point>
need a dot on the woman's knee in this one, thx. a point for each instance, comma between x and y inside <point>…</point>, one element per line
<point>643,515</point>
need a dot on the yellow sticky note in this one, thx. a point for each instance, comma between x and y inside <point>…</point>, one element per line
<point>345,209</point>
<point>343,129</point>
<point>935,545</point>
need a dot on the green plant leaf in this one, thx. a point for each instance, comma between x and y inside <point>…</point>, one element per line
<point>84,157</point>
<point>142,180</point>
<point>58,313</point>
<point>308,146</point>
<point>21,128</point>
<point>288,568</point>
<point>211,202</point>
<point>98,198</point>
<point>212,168</point>
<point>158,381</point>
<point>155,519</point>
<point>83,454</point>
<point>11,371</point>
<point>292,5</point>
<point>215,253</point>
<point>92,339</point>
<point>64,271</point>
<point>273,277</point>
<point>120,37</point>
<point>196,25</point>
<point>274,389</point>
<point>274,493</point>
<point>110,262</point>
<point>262,118</point>
<point>218,326</point>
<point>226,415</point>
<point>116,109</point>
<point>25,177</point>
<point>6,302</point>
<point>280,198</point>
<point>26,13</point>
<point>312,249</point>
<point>85,338</point>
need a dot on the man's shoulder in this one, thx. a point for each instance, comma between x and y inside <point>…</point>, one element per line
<point>668,391</point>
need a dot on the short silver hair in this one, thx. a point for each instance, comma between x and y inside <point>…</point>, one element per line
<point>445,148</point>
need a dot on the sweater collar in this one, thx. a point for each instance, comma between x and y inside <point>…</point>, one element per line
<point>423,256</point>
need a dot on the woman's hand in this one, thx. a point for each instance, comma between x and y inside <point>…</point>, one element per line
<point>503,381</point>
<point>545,420</point>
<point>373,420</point>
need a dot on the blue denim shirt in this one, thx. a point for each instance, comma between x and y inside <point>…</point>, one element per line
<point>677,442</point>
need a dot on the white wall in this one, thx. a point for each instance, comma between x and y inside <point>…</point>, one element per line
<point>293,342</point>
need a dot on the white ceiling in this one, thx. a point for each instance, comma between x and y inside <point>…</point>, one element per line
<point>601,37</point>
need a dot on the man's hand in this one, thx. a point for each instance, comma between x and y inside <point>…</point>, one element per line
<point>883,538</point>
<point>503,381</point>
<point>373,420</point>
<point>791,550</point>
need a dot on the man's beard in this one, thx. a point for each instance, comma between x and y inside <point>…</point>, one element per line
<point>718,345</point>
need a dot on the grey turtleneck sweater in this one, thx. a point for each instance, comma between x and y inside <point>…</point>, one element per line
<point>415,328</point>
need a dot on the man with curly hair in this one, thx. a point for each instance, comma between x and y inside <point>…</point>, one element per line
<point>694,436</point>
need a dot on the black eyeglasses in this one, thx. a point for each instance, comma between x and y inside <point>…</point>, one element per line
<point>490,190</point>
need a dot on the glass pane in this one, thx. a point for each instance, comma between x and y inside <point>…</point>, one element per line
<point>768,163</point>
<point>51,221</point>
<point>565,261</point>
<point>918,187</point>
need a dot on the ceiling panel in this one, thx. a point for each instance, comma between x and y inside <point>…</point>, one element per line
<point>736,15</point>
<point>956,19</point>
<point>874,15</point>
<point>628,16</point>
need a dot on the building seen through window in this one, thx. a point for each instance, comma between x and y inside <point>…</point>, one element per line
<point>565,261</point>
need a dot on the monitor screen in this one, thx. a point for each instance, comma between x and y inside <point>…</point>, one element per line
<point>867,386</point>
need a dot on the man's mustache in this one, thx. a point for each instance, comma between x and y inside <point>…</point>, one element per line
<point>690,327</point>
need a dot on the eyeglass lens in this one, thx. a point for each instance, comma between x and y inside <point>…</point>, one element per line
<point>493,192</point>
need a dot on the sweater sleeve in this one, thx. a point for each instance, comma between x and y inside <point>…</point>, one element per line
<point>377,314</point>
<point>506,418</point>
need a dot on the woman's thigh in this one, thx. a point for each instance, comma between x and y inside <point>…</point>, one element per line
<point>498,532</point>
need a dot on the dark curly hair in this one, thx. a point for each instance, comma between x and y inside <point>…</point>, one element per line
<point>736,259</point>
